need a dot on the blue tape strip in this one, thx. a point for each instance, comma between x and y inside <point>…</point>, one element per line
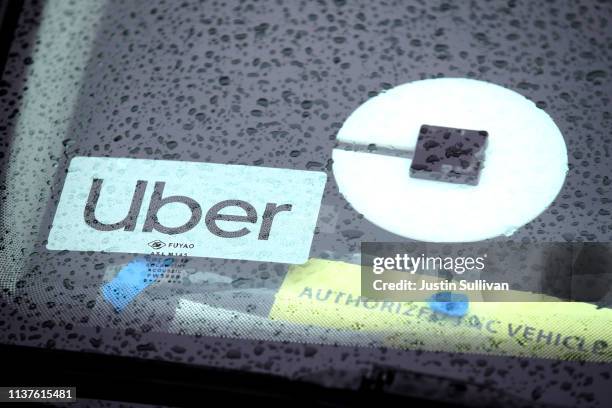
<point>133,278</point>
<point>452,304</point>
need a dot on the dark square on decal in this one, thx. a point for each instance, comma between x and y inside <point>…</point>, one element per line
<point>448,154</point>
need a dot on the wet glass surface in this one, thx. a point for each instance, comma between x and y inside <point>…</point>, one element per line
<point>268,84</point>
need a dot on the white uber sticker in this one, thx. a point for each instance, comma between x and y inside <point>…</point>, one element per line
<point>196,209</point>
<point>524,168</point>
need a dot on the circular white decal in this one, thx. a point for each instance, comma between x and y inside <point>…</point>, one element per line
<point>524,166</point>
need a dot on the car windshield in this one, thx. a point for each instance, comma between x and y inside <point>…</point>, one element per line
<point>205,182</point>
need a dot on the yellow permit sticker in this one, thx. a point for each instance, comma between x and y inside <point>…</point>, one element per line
<point>327,294</point>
